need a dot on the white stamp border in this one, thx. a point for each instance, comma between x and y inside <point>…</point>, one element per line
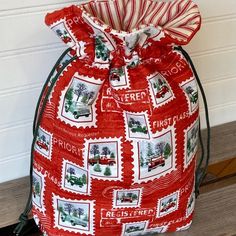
<point>123,206</point>
<point>191,111</point>
<point>97,29</point>
<point>190,210</point>
<point>135,222</point>
<point>61,75</point>
<point>80,49</point>
<point>159,229</point>
<point>184,227</point>
<point>159,202</point>
<point>119,156</point>
<point>50,145</point>
<point>127,80</point>
<point>79,45</point>
<point>147,121</point>
<point>187,163</point>
<point>177,52</point>
<point>64,162</point>
<point>42,177</point>
<point>135,149</point>
<point>84,124</point>
<point>152,95</point>
<point>63,21</point>
<point>91,204</point>
<point>98,62</point>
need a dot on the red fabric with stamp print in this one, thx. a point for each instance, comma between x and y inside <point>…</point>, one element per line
<point>116,144</point>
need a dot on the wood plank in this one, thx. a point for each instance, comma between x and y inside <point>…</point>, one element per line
<point>13,197</point>
<point>209,187</point>
<point>217,168</point>
<point>222,142</point>
<point>209,8</point>
<point>223,169</point>
<point>229,169</point>
<point>220,173</point>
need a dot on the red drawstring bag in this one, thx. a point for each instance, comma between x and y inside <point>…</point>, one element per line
<point>116,128</point>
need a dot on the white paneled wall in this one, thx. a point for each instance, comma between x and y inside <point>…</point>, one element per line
<point>28,50</point>
<point>213,51</point>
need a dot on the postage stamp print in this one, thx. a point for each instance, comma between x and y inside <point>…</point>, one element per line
<point>134,228</point>
<point>167,204</point>
<point>38,188</point>
<point>75,216</point>
<point>191,142</point>
<point>137,126</point>
<point>155,158</point>
<point>43,144</point>
<point>191,92</point>
<point>160,90</point>
<point>103,158</point>
<point>126,198</point>
<point>77,102</point>
<point>75,179</point>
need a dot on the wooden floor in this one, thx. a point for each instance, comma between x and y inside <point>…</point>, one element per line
<point>215,209</point>
<point>223,142</point>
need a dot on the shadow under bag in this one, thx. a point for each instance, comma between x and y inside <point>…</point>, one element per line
<point>117,123</point>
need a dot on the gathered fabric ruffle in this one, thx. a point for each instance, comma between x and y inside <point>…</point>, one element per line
<point>95,30</point>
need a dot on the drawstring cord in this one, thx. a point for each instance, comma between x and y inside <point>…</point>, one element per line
<point>37,119</point>
<point>44,87</point>
<point>200,171</point>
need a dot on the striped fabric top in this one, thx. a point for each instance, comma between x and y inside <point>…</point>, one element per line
<point>180,19</point>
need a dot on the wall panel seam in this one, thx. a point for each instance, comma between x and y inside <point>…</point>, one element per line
<point>219,18</point>
<point>34,9</point>
<point>31,50</point>
<point>14,157</point>
<point>219,80</point>
<point>20,89</point>
<point>30,87</point>
<point>209,52</point>
<point>34,6</point>
<point>219,106</point>
<point>20,124</point>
